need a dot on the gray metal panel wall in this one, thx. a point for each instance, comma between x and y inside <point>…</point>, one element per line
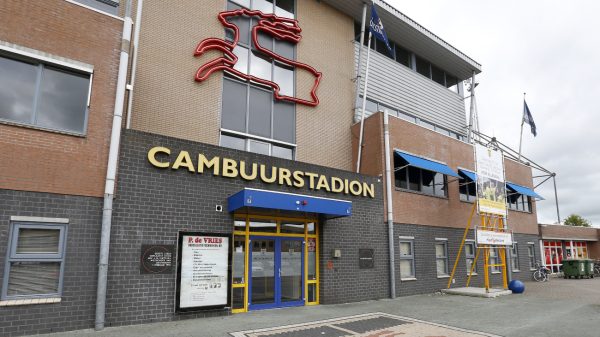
<point>399,87</point>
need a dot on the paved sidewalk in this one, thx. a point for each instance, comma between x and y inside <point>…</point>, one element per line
<point>556,308</point>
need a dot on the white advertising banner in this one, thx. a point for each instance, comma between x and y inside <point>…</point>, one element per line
<point>491,188</point>
<point>204,272</point>
<point>491,238</point>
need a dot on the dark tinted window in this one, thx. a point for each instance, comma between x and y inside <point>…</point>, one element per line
<point>382,48</point>
<point>235,97</point>
<point>451,82</point>
<point>437,75</point>
<point>423,67</point>
<point>284,49</point>
<point>403,56</point>
<point>284,8</point>
<point>284,122</point>
<point>259,113</point>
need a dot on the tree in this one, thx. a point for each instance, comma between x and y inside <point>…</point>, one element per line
<point>577,220</point>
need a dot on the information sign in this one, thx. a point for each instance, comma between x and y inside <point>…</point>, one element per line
<point>203,271</point>
<point>493,238</point>
<point>157,259</point>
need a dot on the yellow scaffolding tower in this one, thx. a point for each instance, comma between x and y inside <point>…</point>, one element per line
<point>488,222</point>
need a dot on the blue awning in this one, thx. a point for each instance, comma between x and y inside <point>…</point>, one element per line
<point>426,164</point>
<point>468,174</point>
<point>523,190</point>
<point>270,200</point>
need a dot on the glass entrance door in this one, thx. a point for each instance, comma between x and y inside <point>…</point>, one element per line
<point>276,268</point>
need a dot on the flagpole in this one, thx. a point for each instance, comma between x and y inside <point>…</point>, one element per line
<point>522,122</point>
<point>364,105</point>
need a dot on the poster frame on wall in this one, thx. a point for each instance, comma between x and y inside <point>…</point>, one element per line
<point>226,305</point>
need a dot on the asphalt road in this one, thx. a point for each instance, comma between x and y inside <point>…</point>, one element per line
<point>556,308</point>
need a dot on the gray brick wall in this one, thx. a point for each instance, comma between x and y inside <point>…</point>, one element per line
<point>425,267</point>
<point>153,204</point>
<point>77,308</point>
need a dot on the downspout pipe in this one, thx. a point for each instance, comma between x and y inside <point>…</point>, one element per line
<point>136,38</point>
<point>111,169</point>
<point>390,206</point>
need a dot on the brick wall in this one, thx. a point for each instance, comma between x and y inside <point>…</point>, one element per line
<point>152,205</point>
<point>427,280</point>
<point>77,307</point>
<point>166,99</point>
<point>569,232</point>
<point>328,46</point>
<point>428,210</point>
<point>43,161</point>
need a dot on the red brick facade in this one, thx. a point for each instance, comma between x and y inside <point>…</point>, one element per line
<point>415,208</point>
<point>42,161</point>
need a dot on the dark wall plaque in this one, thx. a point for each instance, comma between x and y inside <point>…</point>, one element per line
<point>366,258</point>
<point>157,259</point>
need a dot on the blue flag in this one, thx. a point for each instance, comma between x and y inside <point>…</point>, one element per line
<point>376,28</point>
<point>528,119</point>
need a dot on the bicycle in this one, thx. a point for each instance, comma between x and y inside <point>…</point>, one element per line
<point>597,268</point>
<point>541,274</point>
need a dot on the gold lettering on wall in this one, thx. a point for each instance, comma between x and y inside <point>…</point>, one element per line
<point>152,156</point>
<point>232,168</point>
<point>183,159</point>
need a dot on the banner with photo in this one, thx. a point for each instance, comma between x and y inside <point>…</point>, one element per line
<point>491,188</point>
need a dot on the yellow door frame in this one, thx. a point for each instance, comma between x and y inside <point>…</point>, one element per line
<point>246,233</point>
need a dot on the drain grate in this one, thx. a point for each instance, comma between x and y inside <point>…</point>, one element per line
<point>370,324</point>
<point>321,331</point>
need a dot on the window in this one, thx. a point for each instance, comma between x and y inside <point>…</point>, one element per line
<point>437,75</point>
<point>470,257</point>
<point>518,202</point>
<point>403,56</point>
<point>452,83</point>
<point>108,6</point>
<point>441,258</point>
<point>419,180</point>
<point>251,119</point>
<point>423,67</point>
<point>531,255</point>
<point>42,95</point>
<point>407,259</point>
<point>372,107</point>
<point>494,260</point>
<point>35,262</point>
<point>514,257</point>
<point>466,188</point>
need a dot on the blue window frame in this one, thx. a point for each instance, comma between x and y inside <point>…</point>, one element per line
<point>34,265</point>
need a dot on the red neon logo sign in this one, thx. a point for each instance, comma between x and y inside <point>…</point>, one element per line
<point>281,28</point>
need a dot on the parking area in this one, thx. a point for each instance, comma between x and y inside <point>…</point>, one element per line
<point>556,308</point>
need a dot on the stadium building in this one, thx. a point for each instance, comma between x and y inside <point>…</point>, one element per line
<point>236,180</point>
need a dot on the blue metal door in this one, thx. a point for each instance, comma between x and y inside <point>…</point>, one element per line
<point>276,272</point>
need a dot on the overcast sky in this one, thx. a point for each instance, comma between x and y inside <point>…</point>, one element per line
<point>551,50</point>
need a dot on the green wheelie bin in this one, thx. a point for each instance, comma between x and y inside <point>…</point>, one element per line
<point>589,268</point>
<point>574,268</point>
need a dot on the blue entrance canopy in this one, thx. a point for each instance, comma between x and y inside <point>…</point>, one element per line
<point>271,200</point>
<point>468,174</point>
<point>426,164</point>
<point>523,190</point>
